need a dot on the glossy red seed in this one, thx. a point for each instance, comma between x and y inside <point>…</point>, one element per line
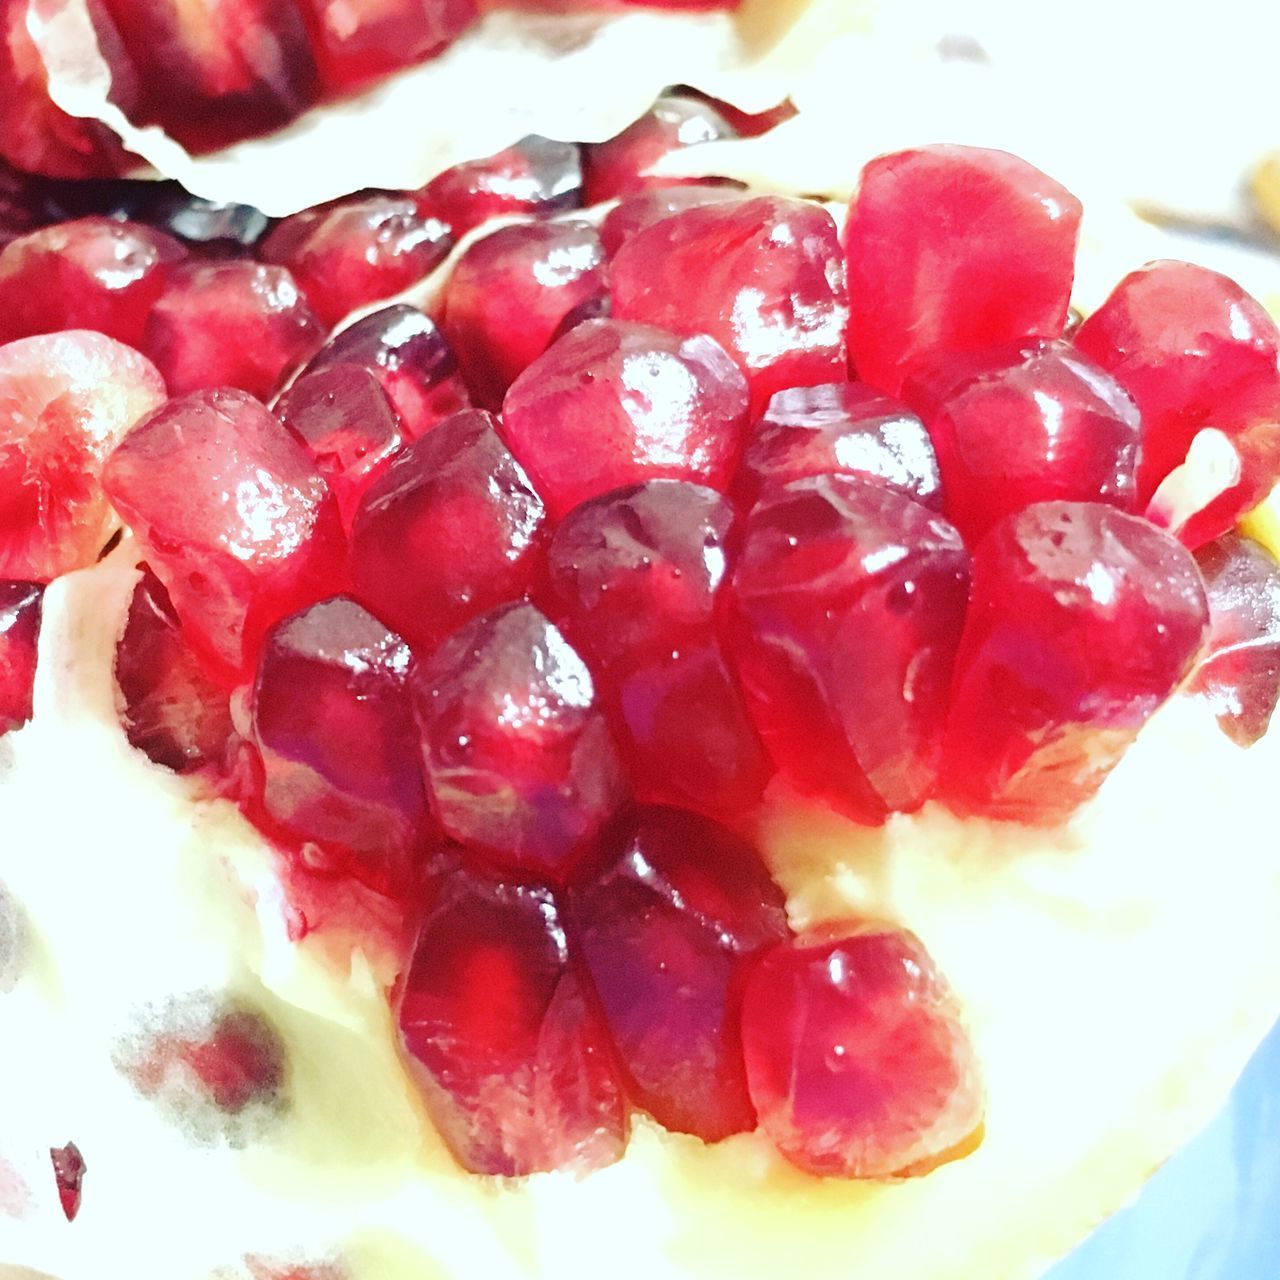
<point>1083,620</point>
<point>771,287</point>
<point>668,931</point>
<point>954,249</point>
<point>405,351</point>
<point>519,762</point>
<point>611,404</point>
<point>857,1060</point>
<point>452,529</point>
<point>233,515</point>
<point>1192,349</point>
<point>1239,674</point>
<point>20,609</point>
<point>508,293</point>
<point>504,1039</point>
<point>68,1171</point>
<point>635,212</point>
<point>214,227</point>
<point>65,400</point>
<point>847,604</point>
<point>839,428</point>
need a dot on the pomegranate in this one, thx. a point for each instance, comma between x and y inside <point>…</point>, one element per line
<point>20,609</point>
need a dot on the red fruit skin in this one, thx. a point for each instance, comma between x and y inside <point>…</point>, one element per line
<point>668,930</point>
<point>1082,621</point>
<point>857,1060</point>
<point>233,515</point>
<point>453,528</point>
<point>1192,349</point>
<point>839,428</point>
<point>353,252</point>
<point>94,273</point>
<point>1239,675</point>
<point>954,249</point>
<point>508,293</point>
<point>636,212</point>
<point>846,606</point>
<point>771,287</point>
<point>21,604</point>
<point>230,324</point>
<point>503,1037</point>
<point>519,763</point>
<point>612,404</point>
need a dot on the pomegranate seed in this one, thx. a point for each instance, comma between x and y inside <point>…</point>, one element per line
<point>405,351</point>
<point>613,403</point>
<point>1239,675</point>
<point>848,602</point>
<point>668,931</point>
<point>343,417</point>
<point>452,529</point>
<point>509,292</point>
<point>1082,621</point>
<point>599,306</point>
<point>635,213</point>
<point>1025,424</point>
<point>20,608</point>
<point>233,515</point>
<point>1192,349</point>
<point>353,252</point>
<point>503,1038</point>
<point>536,175</point>
<point>519,762</point>
<point>840,428</point>
<point>173,710</point>
<point>65,399</point>
<point>68,1171</point>
<point>857,1060</point>
<point>333,722</point>
<point>770,289</point>
<point>88,274</point>
<point>954,249</point>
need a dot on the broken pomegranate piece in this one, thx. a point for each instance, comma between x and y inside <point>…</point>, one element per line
<point>20,609</point>
<point>1082,621</point>
<point>68,1171</point>
<point>668,931</point>
<point>954,249</point>
<point>857,1060</point>
<point>634,213</point>
<point>611,403</point>
<point>503,1037</point>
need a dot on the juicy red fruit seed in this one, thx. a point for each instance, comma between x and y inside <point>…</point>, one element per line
<point>668,931</point>
<point>21,604</point>
<point>611,404</point>
<point>857,1060</point>
<point>643,209</point>
<point>954,249</point>
<point>503,1036</point>
<point>771,287</point>
<point>519,762</point>
<point>451,529</point>
<point>1082,621</point>
<point>68,1171</point>
<point>848,601</point>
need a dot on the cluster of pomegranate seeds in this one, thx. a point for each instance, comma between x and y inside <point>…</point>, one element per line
<point>20,608</point>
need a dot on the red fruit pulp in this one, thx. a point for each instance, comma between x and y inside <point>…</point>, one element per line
<point>20,610</point>
<point>68,1170</point>
<point>634,213</point>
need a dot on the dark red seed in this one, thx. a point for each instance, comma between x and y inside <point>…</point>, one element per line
<point>635,212</point>
<point>68,1170</point>
<point>20,610</point>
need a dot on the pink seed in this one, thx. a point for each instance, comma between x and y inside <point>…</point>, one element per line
<point>68,1170</point>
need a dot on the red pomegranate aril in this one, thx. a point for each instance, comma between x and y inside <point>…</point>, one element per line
<point>520,765</point>
<point>93,273</point>
<point>346,422</point>
<point>839,428</point>
<point>230,324</point>
<point>508,293</point>
<point>20,609</point>
<point>233,515</point>
<point>668,931</point>
<point>636,212</point>
<point>857,1060</point>
<point>848,601</point>
<point>1082,621</point>
<point>451,529</point>
<point>68,1170</point>
<point>503,1037</point>
<point>536,175</point>
<point>1239,675</point>
<point>1030,423</point>
<point>771,287</point>
<point>357,251</point>
<point>954,249</point>
<point>612,404</point>
<point>1192,349</point>
<point>597,306</point>
<point>405,351</point>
